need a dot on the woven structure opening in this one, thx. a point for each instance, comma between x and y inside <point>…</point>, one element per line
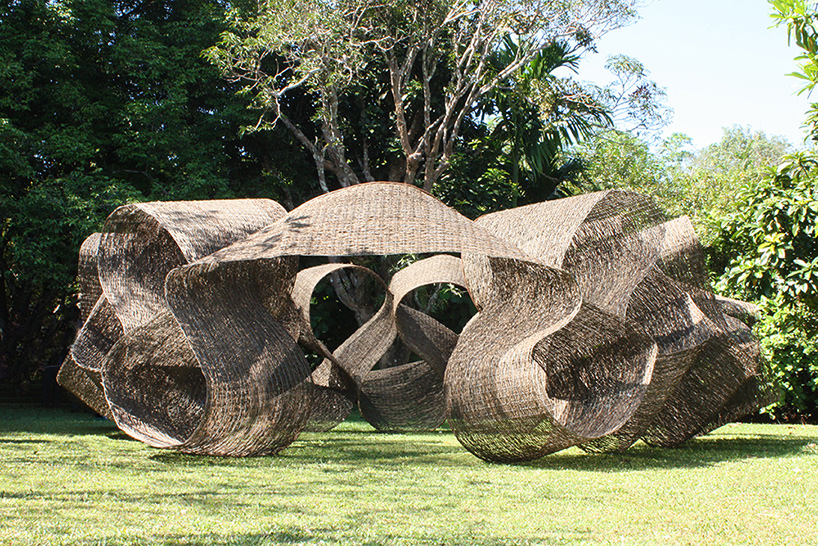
<point>597,370</point>
<point>154,385</point>
<point>448,304</point>
<point>335,317</point>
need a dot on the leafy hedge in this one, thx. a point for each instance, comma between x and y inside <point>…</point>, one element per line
<point>772,250</point>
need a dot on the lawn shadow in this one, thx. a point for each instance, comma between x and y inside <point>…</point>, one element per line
<point>353,448</point>
<point>57,421</point>
<point>14,441</point>
<point>343,449</point>
<point>297,535</point>
<point>699,452</point>
<point>119,435</point>
<point>354,443</point>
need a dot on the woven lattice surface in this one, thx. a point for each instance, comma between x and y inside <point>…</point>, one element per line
<point>595,326</point>
<point>86,382</point>
<point>633,263</point>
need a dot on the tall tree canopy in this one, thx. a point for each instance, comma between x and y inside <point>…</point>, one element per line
<point>702,184</point>
<point>103,102</point>
<point>427,63</point>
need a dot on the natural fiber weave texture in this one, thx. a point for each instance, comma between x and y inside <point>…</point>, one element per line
<point>86,383</point>
<point>595,326</point>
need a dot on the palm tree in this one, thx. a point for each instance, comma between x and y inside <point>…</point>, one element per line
<point>535,115</point>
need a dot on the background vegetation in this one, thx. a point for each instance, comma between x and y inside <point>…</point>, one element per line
<point>104,102</point>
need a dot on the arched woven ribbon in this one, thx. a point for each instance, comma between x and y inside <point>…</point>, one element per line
<point>593,324</point>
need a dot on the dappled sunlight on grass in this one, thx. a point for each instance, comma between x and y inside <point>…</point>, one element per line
<point>74,479</point>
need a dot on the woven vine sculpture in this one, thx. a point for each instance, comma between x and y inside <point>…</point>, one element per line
<point>593,326</point>
<point>631,261</point>
<point>154,384</point>
<point>86,382</point>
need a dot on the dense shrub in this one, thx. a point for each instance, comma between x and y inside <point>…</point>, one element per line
<point>771,256</point>
<point>789,341</point>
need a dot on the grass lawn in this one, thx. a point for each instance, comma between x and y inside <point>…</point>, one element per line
<point>70,478</point>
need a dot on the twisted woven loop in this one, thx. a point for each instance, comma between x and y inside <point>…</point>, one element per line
<point>95,338</point>
<point>410,396</point>
<point>595,325</point>
<point>155,384</point>
<point>341,373</point>
<point>633,263</point>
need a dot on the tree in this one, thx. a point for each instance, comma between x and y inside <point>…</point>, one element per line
<point>716,174</point>
<point>772,237</point>
<point>103,103</point>
<point>429,61</point>
<point>766,247</point>
<point>536,115</point>
<point>635,102</point>
<point>800,18</point>
<point>772,259</point>
<point>511,149</point>
<point>51,189</point>
<point>621,160</point>
<point>701,184</point>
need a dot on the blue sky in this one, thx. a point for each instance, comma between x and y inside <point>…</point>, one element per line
<point>719,62</point>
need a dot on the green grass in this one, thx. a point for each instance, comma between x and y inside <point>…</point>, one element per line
<point>74,479</point>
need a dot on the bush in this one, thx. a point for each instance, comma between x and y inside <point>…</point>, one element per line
<point>771,257</point>
<point>789,342</point>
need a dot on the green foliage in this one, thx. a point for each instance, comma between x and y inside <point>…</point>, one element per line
<point>772,239</point>
<point>621,160</point>
<point>800,18</point>
<point>635,102</point>
<point>716,174</point>
<point>702,185</point>
<point>789,341</point>
<point>534,116</point>
<point>103,103</point>
<point>475,185</point>
<point>770,245</point>
<point>539,136</point>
